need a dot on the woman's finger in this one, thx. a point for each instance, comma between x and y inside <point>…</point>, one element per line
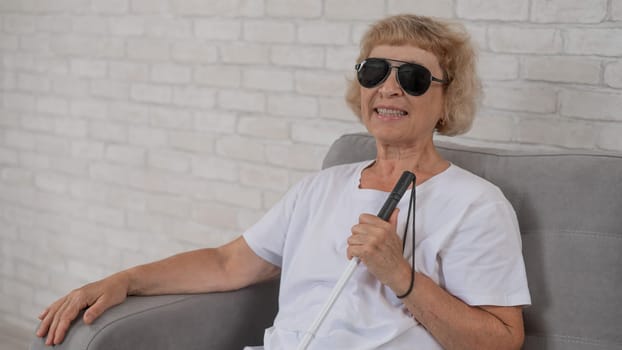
<point>45,324</point>
<point>94,311</point>
<point>393,219</point>
<point>70,312</point>
<point>64,315</point>
<point>54,319</point>
<point>43,313</point>
<point>354,251</point>
<point>46,318</point>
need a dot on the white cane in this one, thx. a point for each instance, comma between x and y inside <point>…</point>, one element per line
<point>387,209</point>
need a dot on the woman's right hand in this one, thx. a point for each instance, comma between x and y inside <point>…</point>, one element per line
<point>96,297</point>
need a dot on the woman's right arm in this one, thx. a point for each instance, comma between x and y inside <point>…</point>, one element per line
<point>232,266</point>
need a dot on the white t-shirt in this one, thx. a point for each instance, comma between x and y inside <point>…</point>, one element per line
<point>467,241</point>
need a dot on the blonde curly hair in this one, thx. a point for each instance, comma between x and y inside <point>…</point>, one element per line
<point>451,45</point>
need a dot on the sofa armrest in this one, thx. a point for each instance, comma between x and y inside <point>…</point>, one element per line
<point>199,321</point>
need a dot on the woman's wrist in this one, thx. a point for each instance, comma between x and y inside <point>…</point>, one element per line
<point>410,287</point>
<point>402,279</point>
<point>126,279</point>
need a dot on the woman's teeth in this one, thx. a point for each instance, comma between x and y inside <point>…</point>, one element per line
<point>390,112</point>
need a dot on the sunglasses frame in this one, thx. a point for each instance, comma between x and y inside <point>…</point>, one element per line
<point>389,61</point>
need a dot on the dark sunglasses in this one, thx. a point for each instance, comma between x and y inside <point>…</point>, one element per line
<point>415,79</point>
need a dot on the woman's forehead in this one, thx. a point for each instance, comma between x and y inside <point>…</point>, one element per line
<point>406,53</point>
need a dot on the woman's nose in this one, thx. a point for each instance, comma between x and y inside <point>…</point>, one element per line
<point>390,86</point>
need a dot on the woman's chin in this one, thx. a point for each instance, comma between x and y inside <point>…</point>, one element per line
<point>386,134</point>
<point>386,125</point>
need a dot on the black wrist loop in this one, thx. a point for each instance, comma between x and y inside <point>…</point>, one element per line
<point>410,287</point>
<point>411,209</point>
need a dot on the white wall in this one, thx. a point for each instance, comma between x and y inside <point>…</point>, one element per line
<point>132,129</point>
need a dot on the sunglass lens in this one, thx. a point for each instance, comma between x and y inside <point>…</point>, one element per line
<point>414,79</point>
<point>372,72</point>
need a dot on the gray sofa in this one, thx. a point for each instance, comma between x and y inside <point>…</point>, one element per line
<point>569,206</point>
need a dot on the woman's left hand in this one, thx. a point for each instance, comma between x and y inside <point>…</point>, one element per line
<point>376,243</point>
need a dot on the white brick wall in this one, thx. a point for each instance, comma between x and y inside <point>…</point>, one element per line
<point>616,10</point>
<point>568,11</point>
<point>218,29</point>
<point>563,69</point>
<point>524,39</point>
<point>504,10</point>
<point>437,8</point>
<point>302,8</point>
<point>143,127</point>
<point>613,74</point>
<point>594,41</point>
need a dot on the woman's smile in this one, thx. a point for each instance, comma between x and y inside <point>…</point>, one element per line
<point>390,113</point>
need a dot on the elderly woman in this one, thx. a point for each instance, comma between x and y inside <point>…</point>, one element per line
<point>415,76</point>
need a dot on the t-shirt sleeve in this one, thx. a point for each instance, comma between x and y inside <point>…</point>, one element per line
<point>267,237</point>
<point>482,264</point>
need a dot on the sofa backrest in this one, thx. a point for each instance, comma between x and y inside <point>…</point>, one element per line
<point>569,207</point>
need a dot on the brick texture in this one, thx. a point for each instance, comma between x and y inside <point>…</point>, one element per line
<point>493,9</point>
<point>143,127</point>
<point>568,11</point>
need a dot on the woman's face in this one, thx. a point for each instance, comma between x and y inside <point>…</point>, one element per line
<point>391,115</point>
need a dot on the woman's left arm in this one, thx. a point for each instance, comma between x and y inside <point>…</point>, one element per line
<point>452,322</point>
<point>456,325</point>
